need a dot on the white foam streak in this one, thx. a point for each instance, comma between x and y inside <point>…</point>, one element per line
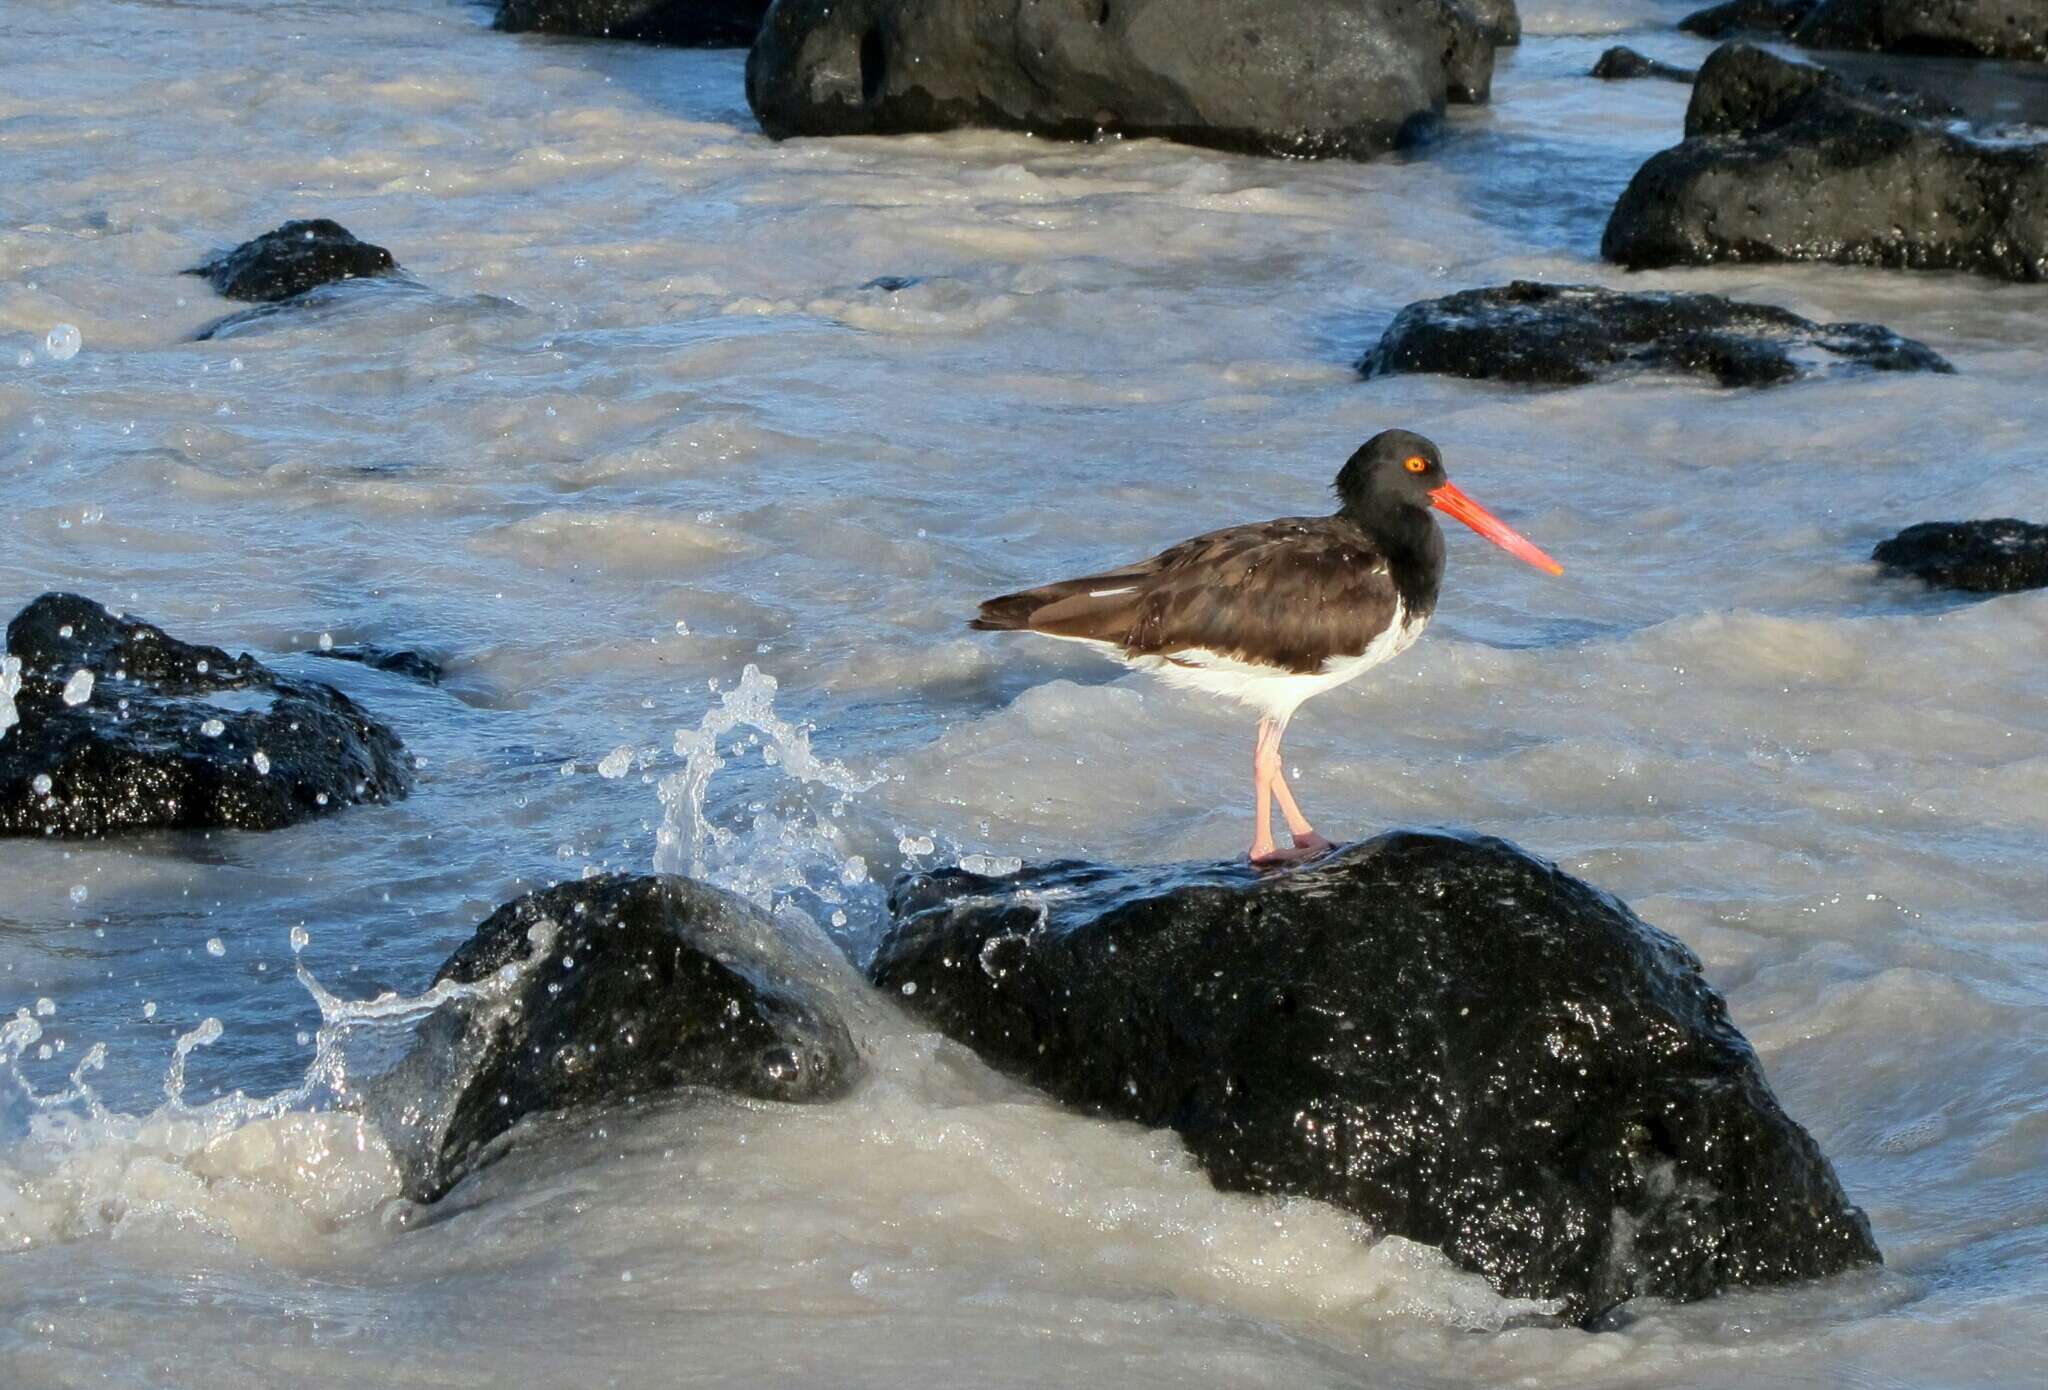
<point>10,686</point>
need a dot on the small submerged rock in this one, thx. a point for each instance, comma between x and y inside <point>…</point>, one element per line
<point>682,23</point>
<point>122,727</point>
<point>1624,64</point>
<point>1565,335</point>
<point>1450,1038</point>
<point>603,991</point>
<point>1350,78</point>
<point>292,259</point>
<point>1783,161</point>
<point>2016,29</point>
<point>2000,556</point>
<point>396,660</point>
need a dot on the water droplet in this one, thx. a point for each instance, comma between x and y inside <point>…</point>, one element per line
<point>203,667</point>
<point>300,938</point>
<point>326,641</point>
<point>617,762</point>
<point>320,798</point>
<point>63,342</point>
<point>910,986</point>
<point>149,1008</point>
<point>261,760</point>
<point>45,1007</point>
<point>215,946</point>
<point>42,784</point>
<point>78,689</point>
<point>213,728</point>
<point>78,893</point>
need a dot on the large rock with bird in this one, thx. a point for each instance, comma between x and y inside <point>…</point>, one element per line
<point>1448,1037</point>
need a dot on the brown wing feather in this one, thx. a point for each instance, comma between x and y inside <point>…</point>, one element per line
<point>1290,593</point>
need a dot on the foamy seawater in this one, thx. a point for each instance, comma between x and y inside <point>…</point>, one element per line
<point>632,424</point>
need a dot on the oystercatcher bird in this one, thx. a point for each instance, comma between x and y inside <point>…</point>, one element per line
<point>1273,613</point>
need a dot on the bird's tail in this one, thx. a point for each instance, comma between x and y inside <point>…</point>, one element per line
<point>1010,613</point>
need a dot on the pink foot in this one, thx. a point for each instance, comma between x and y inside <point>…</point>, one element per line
<point>1313,843</point>
<point>1274,857</point>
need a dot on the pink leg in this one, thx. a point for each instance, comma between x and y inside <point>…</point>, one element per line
<point>1263,851</point>
<point>1269,781</point>
<point>1305,837</point>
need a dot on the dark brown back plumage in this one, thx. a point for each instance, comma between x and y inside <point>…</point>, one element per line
<point>1291,594</point>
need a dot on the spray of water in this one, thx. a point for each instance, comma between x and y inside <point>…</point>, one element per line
<point>782,830</point>
<point>10,686</point>
<point>787,853</point>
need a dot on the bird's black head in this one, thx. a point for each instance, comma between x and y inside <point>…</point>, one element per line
<point>1393,469</point>
<point>1393,480</point>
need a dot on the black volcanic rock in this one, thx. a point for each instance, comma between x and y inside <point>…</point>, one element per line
<point>1738,16</point>
<point>291,260</point>
<point>1347,78</point>
<point>1498,20</point>
<point>2001,556</point>
<point>683,23</point>
<point>1568,335</point>
<point>2016,29</point>
<point>1786,162</point>
<point>606,991</point>
<point>1451,1039</point>
<point>1622,64</point>
<point>125,728</point>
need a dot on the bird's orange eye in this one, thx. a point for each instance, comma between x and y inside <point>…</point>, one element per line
<point>1416,463</point>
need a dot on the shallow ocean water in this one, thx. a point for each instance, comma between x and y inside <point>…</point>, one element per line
<point>632,424</point>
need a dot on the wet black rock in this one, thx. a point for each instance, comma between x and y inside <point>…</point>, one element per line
<point>1624,64</point>
<point>1498,20</point>
<point>1452,1039</point>
<point>293,259</point>
<point>125,728</point>
<point>606,991</point>
<point>1787,162</point>
<point>397,660</point>
<point>1288,77</point>
<point>1738,16</point>
<point>2016,29</point>
<point>2001,556</point>
<point>1568,335</point>
<point>683,23</point>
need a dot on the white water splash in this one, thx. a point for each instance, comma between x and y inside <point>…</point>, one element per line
<point>10,686</point>
<point>786,855</point>
<point>272,1170</point>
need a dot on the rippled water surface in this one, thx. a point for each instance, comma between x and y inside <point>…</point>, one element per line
<point>632,423</point>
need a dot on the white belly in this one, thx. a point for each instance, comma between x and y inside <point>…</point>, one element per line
<point>1277,694</point>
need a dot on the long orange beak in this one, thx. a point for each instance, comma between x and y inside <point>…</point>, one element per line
<point>1448,499</point>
